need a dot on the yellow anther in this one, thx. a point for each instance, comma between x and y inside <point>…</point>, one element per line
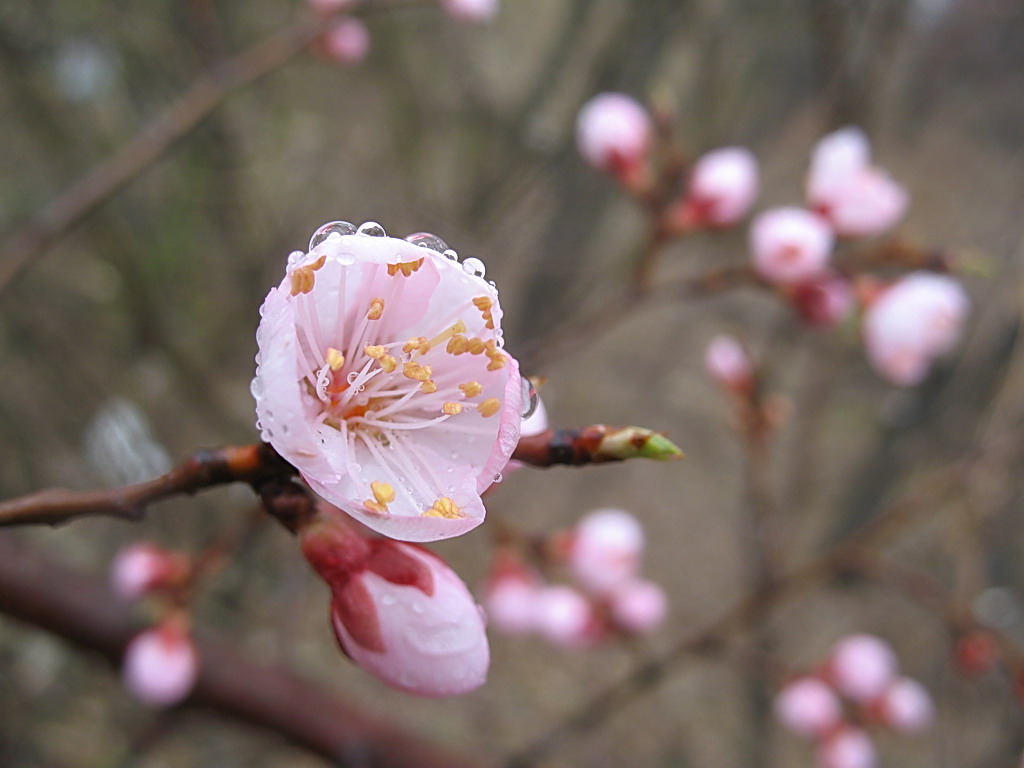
<point>374,506</point>
<point>303,278</point>
<point>376,309</point>
<point>417,344</point>
<point>416,372</point>
<point>489,325</point>
<point>384,493</point>
<point>451,409</point>
<point>428,386</point>
<point>476,346</point>
<point>457,345</point>
<point>388,363</point>
<point>483,303</point>
<point>497,363</point>
<point>376,351</point>
<point>335,359</point>
<point>405,267</point>
<point>444,507</point>
<point>317,264</point>
<point>491,346</point>
<point>489,407</point>
<point>471,388</point>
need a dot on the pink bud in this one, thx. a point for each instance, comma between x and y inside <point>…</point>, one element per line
<point>857,198</point>
<point>906,706</point>
<point>915,320</point>
<point>605,549</point>
<point>160,665</point>
<point>141,568</point>
<point>471,10</point>
<point>613,131</point>
<point>723,184</point>
<point>790,245</point>
<point>824,300</point>
<point>862,667</point>
<point>848,748</point>
<point>347,42</point>
<point>511,598</point>
<point>638,606</point>
<point>566,618</point>
<point>727,363</point>
<point>809,707</point>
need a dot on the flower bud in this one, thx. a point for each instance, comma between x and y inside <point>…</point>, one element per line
<point>790,245</point>
<point>728,364</point>
<point>862,667</point>
<point>613,132</point>
<point>848,748</point>
<point>566,618</point>
<point>471,10</point>
<point>605,549</point>
<point>906,706</point>
<point>511,597</point>
<point>825,300</point>
<point>638,606</point>
<point>809,707</point>
<point>347,42</point>
<point>723,184</point>
<point>142,568</point>
<point>160,665</point>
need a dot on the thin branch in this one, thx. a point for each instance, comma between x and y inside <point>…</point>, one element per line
<point>81,610</point>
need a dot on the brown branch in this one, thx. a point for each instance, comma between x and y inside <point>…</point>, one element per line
<point>81,610</point>
<point>593,445</point>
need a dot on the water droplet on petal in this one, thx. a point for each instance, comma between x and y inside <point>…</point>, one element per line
<point>331,228</point>
<point>347,258</point>
<point>295,256</point>
<point>351,376</point>
<point>371,229</point>
<point>450,255</point>
<point>387,599</point>
<point>427,240</point>
<point>473,266</point>
<point>530,398</point>
<point>497,477</point>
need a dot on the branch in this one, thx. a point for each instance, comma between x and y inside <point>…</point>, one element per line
<point>80,610</point>
<point>594,445</point>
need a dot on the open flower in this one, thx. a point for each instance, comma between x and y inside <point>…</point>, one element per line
<point>399,611</point>
<point>381,377</point>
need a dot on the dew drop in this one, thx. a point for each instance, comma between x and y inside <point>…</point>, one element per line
<point>387,599</point>
<point>295,256</point>
<point>451,255</point>
<point>473,266</point>
<point>371,229</point>
<point>331,228</point>
<point>497,477</point>
<point>427,240</point>
<point>347,258</point>
<point>417,607</point>
<point>351,376</point>
<point>530,398</point>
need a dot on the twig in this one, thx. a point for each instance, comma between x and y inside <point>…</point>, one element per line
<point>79,609</point>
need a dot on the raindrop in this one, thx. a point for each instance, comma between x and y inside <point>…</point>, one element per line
<point>331,228</point>
<point>387,599</point>
<point>427,240</point>
<point>346,258</point>
<point>417,607</point>
<point>451,255</point>
<point>497,477</point>
<point>473,266</point>
<point>351,376</point>
<point>530,398</point>
<point>295,256</point>
<point>371,229</point>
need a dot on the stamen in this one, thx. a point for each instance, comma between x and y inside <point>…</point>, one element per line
<point>447,333</point>
<point>476,346</point>
<point>416,372</point>
<point>376,309</point>
<point>483,303</point>
<point>303,278</point>
<point>384,493</point>
<point>417,344</point>
<point>471,388</point>
<point>497,362</point>
<point>376,351</point>
<point>388,364</point>
<point>489,407</point>
<point>429,387</point>
<point>452,409</point>
<point>335,359</point>
<point>457,345</point>
<point>405,267</point>
<point>444,507</point>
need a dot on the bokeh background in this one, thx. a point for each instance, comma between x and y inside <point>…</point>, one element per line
<point>131,342</point>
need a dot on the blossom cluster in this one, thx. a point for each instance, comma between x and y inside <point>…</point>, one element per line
<point>602,554</point>
<point>859,685</point>
<point>160,664</point>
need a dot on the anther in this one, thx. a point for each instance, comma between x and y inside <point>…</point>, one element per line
<point>471,388</point>
<point>416,372</point>
<point>428,387</point>
<point>497,362</point>
<point>476,346</point>
<point>384,493</point>
<point>451,409</point>
<point>457,345</point>
<point>388,363</point>
<point>335,359</point>
<point>444,507</point>
<point>417,344</point>
<point>489,407</point>
<point>376,309</point>
<point>376,351</point>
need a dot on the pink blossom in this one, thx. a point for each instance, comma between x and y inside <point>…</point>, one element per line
<point>824,300</point>
<point>809,707</point>
<point>140,568</point>
<point>613,132</point>
<point>859,200</point>
<point>381,377</point>
<point>848,748</point>
<point>512,597</point>
<point>638,605</point>
<point>347,42</point>
<point>906,706</point>
<point>790,245</point>
<point>566,618</point>
<point>728,364</point>
<point>723,184</point>
<point>399,612</point>
<point>161,665</point>
<point>862,667</point>
<point>471,10</point>
<point>605,549</point>
<point>915,320</point>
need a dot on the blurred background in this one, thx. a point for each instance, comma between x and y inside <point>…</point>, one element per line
<point>130,343</point>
